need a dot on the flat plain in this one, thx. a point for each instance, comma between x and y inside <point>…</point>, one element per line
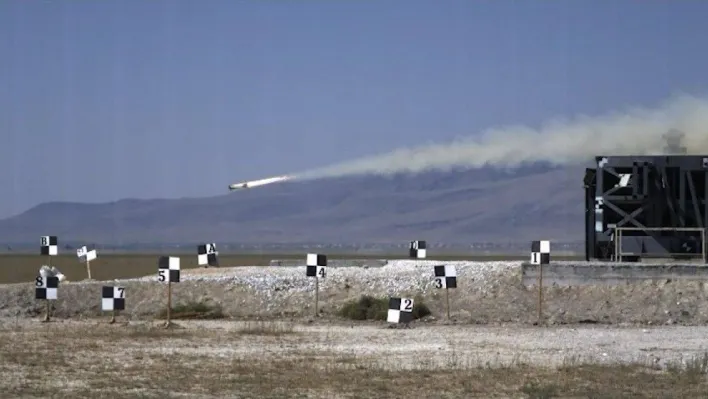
<point>19,268</point>
<point>216,359</point>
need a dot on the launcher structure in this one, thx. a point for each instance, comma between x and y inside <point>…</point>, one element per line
<point>646,206</point>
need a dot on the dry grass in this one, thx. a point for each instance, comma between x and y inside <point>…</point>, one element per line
<point>269,360</point>
<point>194,310</point>
<point>267,328</point>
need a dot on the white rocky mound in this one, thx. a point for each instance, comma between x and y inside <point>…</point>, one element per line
<point>46,271</point>
<point>396,276</point>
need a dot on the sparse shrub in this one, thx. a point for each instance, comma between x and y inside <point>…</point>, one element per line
<point>372,308</point>
<point>194,310</point>
<point>420,309</point>
<point>694,369</point>
<point>365,308</point>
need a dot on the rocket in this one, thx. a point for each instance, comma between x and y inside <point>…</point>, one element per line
<point>260,182</point>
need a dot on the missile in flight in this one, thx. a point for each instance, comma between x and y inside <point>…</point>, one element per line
<point>260,182</point>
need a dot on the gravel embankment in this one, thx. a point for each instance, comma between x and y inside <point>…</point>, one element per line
<point>394,278</point>
<point>488,292</point>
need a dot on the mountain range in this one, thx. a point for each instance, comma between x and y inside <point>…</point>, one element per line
<point>487,204</point>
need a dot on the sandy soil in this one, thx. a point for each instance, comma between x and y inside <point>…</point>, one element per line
<point>471,346</point>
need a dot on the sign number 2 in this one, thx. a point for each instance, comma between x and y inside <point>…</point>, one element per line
<point>407,304</point>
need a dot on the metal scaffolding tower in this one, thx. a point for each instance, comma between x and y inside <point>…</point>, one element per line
<point>657,204</point>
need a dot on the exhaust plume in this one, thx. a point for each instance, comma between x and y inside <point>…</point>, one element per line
<point>678,125</point>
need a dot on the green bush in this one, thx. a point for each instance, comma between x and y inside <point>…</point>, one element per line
<point>371,308</point>
<point>194,310</point>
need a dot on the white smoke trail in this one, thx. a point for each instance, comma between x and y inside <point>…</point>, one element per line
<point>635,131</point>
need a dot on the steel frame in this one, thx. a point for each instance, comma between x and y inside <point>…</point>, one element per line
<point>619,231</point>
<point>662,198</point>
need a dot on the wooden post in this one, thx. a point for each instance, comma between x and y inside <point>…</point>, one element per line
<point>49,309</point>
<point>113,316</point>
<point>447,302</point>
<point>317,295</point>
<point>88,268</point>
<point>540,293</point>
<point>169,303</point>
<point>49,304</point>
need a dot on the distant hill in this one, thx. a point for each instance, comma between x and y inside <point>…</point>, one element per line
<point>480,205</point>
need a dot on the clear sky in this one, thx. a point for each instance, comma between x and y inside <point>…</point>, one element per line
<point>102,100</point>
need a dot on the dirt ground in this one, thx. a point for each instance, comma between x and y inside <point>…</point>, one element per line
<point>216,359</point>
<point>644,339</point>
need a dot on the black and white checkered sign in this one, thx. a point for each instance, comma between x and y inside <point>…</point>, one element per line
<point>445,276</point>
<point>86,255</point>
<point>46,287</point>
<point>417,250</point>
<point>400,310</point>
<point>49,245</point>
<point>207,255</point>
<point>112,298</point>
<point>540,252</point>
<point>168,269</point>
<point>316,266</point>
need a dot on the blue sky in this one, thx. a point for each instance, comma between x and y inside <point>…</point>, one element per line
<point>105,100</point>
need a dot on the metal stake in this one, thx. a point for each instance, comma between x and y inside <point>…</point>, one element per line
<point>317,295</point>
<point>540,293</point>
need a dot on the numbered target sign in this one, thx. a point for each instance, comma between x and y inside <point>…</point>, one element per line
<point>445,276</point>
<point>112,298</point>
<point>46,287</point>
<point>400,310</point>
<point>316,266</point>
<point>540,252</point>
<point>417,249</point>
<point>168,269</point>
<point>207,255</point>
<point>49,245</point>
<point>85,255</point>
